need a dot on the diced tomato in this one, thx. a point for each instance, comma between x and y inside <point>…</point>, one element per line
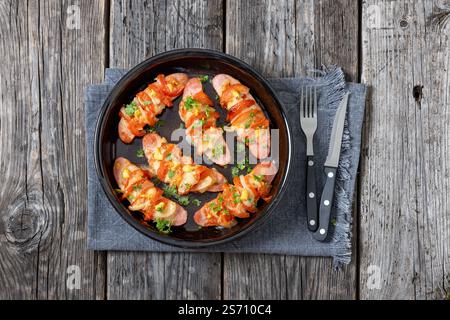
<point>238,108</point>
<point>136,128</point>
<point>177,87</point>
<point>227,95</point>
<point>226,220</point>
<point>143,96</point>
<point>250,185</point>
<point>203,98</point>
<point>161,95</point>
<point>243,118</point>
<point>162,170</point>
<point>237,182</point>
<point>169,148</point>
<point>162,80</point>
<point>129,188</point>
<point>192,118</point>
<point>260,123</point>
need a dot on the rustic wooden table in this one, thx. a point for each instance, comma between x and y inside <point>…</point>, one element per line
<point>400,49</point>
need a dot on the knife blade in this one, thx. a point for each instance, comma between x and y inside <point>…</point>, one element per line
<point>334,150</point>
<point>331,164</point>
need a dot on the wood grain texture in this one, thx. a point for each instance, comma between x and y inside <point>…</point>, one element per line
<point>285,38</point>
<point>288,37</point>
<point>138,30</point>
<point>405,216</point>
<point>45,67</point>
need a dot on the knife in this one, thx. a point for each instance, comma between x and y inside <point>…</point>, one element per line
<point>331,165</point>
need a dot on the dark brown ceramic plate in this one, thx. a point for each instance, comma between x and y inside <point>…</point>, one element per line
<point>194,62</point>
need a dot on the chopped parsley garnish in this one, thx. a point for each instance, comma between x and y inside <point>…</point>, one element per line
<point>140,153</point>
<point>241,165</point>
<point>215,207</point>
<point>333,222</point>
<point>196,202</point>
<point>171,174</point>
<point>207,111</point>
<point>199,123</point>
<point>204,78</point>
<point>258,178</point>
<point>149,129</point>
<point>236,198</point>
<point>240,147</point>
<point>249,122</point>
<point>171,191</point>
<point>169,156</point>
<point>217,151</point>
<point>137,188</point>
<point>118,191</point>
<point>181,125</point>
<point>131,108</point>
<point>235,171</point>
<point>184,201</point>
<point>188,104</point>
<point>163,226</point>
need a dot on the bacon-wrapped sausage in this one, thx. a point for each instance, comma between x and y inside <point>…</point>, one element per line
<point>144,196</point>
<point>238,199</point>
<point>199,117</point>
<point>148,104</point>
<point>168,164</point>
<point>244,114</point>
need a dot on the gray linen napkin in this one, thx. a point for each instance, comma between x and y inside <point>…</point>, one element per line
<point>285,232</point>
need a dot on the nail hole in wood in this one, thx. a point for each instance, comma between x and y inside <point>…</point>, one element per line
<point>418,93</point>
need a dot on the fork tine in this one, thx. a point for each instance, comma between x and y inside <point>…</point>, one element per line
<point>310,102</point>
<point>302,106</point>
<point>307,102</point>
<point>315,101</point>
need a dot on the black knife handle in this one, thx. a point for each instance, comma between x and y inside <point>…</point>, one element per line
<point>311,194</point>
<point>326,203</point>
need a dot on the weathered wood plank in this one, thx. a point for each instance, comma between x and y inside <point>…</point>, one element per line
<point>139,30</point>
<point>284,38</point>
<point>405,173</point>
<point>43,195</point>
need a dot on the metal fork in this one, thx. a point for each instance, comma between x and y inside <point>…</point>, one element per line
<point>308,122</point>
